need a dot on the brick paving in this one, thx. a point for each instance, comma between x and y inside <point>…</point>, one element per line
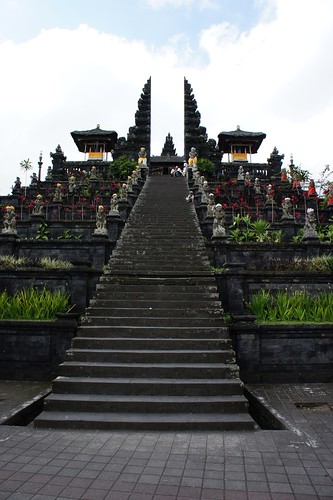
<point>296,462</point>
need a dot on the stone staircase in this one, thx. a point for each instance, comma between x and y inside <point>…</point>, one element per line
<point>152,351</point>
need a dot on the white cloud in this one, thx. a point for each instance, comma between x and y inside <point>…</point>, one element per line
<point>200,4</point>
<point>275,78</point>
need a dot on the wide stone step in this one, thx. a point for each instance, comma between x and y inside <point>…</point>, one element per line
<point>156,272</point>
<point>148,386</point>
<point>151,312</point>
<point>150,421</point>
<point>144,404</point>
<point>189,281</point>
<point>191,264</point>
<point>170,321</point>
<point>150,343</point>
<point>152,370</point>
<point>162,303</point>
<point>117,292</point>
<point>185,332</point>
<point>149,356</point>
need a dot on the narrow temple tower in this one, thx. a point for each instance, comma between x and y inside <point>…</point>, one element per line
<point>140,134</point>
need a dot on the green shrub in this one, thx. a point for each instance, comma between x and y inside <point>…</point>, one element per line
<point>206,168</point>
<point>31,304</point>
<point>11,262</point>
<point>292,307</point>
<point>122,167</point>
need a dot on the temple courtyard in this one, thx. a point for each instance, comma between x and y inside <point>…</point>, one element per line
<point>295,461</point>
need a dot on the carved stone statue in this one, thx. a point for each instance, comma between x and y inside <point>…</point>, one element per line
<point>270,195</point>
<point>57,197</point>
<point>129,184</point>
<point>34,180</point>
<point>38,206</point>
<point>142,157</point>
<point>240,175</point>
<point>287,209</point>
<point>192,157</point>
<point>204,192</point>
<point>114,205</point>
<point>93,173</point>
<point>100,222</point>
<point>256,185</point>
<point>309,230</point>
<point>123,192</point>
<point>71,184</point>
<point>211,205</point>
<point>247,179</point>
<point>17,186</point>
<point>219,221</point>
<point>49,174</point>
<point>196,178</point>
<point>9,221</point>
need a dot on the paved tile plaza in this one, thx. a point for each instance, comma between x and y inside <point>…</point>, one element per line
<point>264,464</point>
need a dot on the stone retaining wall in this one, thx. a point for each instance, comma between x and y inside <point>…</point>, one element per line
<point>284,353</point>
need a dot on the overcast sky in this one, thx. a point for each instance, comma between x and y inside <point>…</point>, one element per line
<point>265,65</point>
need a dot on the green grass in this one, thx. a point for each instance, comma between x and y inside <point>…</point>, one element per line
<point>31,304</point>
<point>292,307</point>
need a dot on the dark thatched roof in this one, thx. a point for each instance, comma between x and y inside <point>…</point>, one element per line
<point>107,137</point>
<point>238,136</point>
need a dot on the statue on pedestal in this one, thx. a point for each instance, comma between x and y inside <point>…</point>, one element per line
<point>211,205</point>
<point>114,205</point>
<point>9,221</point>
<point>192,157</point>
<point>257,187</point>
<point>142,157</point>
<point>309,230</point>
<point>34,180</point>
<point>57,197</point>
<point>38,206</point>
<point>100,222</point>
<point>286,209</point>
<point>240,175</point>
<point>270,195</point>
<point>16,189</point>
<point>219,221</point>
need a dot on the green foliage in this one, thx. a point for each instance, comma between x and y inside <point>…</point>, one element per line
<point>31,304</point>
<point>302,175</point>
<point>48,263</point>
<point>10,262</point>
<point>218,269</point>
<point>292,307</point>
<point>122,167</point>
<point>325,233</point>
<point>43,232</point>
<point>206,168</point>
<point>26,165</point>
<point>323,263</point>
<point>244,230</point>
<point>260,230</point>
<point>298,238</point>
<point>67,235</point>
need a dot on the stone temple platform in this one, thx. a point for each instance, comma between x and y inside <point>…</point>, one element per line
<point>293,462</point>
